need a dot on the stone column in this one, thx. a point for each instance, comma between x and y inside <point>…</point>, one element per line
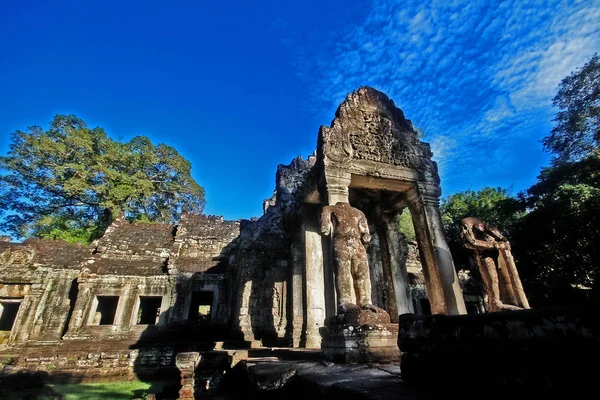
<point>187,363</point>
<point>394,266</point>
<point>244,318</point>
<point>55,309</point>
<point>82,309</point>
<point>386,263</point>
<point>297,289</point>
<point>443,288</point>
<point>315,288</point>
<point>125,308</point>
<point>24,324</point>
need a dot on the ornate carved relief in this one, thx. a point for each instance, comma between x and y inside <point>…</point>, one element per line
<point>369,127</point>
<point>375,141</point>
<point>336,142</point>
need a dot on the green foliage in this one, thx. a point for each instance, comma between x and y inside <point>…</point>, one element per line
<point>558,238</point>
<point>69,182</point>
<point>406,225</point>
<point>493,205</point>
<point>577,131</point>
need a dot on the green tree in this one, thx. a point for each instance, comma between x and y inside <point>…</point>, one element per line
<point>577,131</point>
<point>558,250</point>
<point>406,226</point>
<point>70,181</point>
<point>559,236</point>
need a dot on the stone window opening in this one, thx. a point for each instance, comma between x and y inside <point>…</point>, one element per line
<point>201,306</point>
<point>106,310</point>
<point>8,314</point>
<point>149,310</point>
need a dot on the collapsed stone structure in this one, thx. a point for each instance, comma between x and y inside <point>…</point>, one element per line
<point>145,291</point>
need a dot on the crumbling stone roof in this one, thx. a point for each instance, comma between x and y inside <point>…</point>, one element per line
<point>133,249</point>
<point>201,226</point>
<point>138,237</point>
<point>106,266</point>
<point>204,243</point>
<point>58,253</point>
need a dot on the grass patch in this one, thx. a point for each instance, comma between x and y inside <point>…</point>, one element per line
<point>107,390</point>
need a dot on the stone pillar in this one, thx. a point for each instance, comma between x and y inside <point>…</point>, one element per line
<point>187,363</point>
<point>24,324</point>
<point>55,309</point>
<point>82,309</point>
<point>443,288</point>
<point>394,269</point>
<point>245,321</point>
<point>125,308</point>
<point>329,277</point>
<point>315,288</point>
<point>337,186</point>
<point>297,289</point>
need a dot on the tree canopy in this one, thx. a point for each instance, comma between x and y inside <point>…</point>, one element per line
<point>69,181</point>
<point>558,238</point>
<point>577,131</point>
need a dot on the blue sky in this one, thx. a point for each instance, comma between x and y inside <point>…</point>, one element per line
<point>239,87</point>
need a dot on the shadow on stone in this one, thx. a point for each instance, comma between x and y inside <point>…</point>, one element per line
<point>545,351</point>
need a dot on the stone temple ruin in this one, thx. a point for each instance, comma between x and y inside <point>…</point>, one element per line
<point>131,301</point>
<point>267,281</point>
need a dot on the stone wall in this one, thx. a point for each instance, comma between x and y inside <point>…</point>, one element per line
<point>90,308</point>
<point>503,353</point>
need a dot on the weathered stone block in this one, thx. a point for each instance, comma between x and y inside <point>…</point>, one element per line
<point>360,344</point>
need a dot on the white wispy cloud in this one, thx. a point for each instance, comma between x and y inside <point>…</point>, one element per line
<point>479,76</point>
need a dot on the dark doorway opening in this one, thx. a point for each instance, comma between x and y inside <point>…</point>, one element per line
<point>73,292</point>
<point>9,314</point>
<point>107,308</point>
<point>149,310</point>
<point>200,307</point>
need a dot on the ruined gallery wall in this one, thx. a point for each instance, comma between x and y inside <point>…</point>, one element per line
<point>35,280</point>
<point>58,289</point>
<point>203,253</point>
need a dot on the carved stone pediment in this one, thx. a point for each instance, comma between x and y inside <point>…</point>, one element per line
<point>16,256</point>
<point>368,126</point>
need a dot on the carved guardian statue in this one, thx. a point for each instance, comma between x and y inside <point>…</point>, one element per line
<point>349,231</point>
<point>494,258</point>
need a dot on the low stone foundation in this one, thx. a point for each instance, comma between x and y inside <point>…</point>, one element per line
<point>550,351</point>
<point>360,338</point>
